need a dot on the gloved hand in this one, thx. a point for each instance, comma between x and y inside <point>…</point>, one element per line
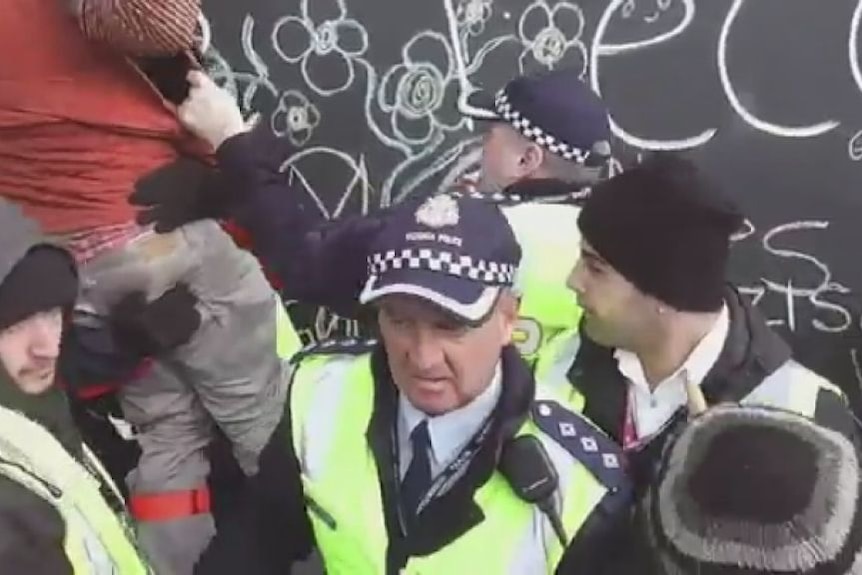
<point>181,192</point>
<point>156,327</point>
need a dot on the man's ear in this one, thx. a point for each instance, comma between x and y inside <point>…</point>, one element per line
<point>508,306</point>
<point>532,159</point>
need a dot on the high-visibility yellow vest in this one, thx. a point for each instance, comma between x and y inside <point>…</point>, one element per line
<point>332,400</point>
<point>550,248</point>
<point>287,341</point>
<point>98,541</point>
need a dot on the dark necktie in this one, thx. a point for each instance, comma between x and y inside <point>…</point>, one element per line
<point>417,480</point>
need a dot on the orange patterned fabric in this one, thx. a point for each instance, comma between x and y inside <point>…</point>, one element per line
<point>142,28</point>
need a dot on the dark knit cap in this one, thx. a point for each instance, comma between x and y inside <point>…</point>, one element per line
<point>664,227</point>
<point>45,278</point>
<point>750,490</point>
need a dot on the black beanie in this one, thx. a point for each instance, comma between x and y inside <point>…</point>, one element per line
<point>751,490</point>
<point>666,229</point>
<point>43,279</point>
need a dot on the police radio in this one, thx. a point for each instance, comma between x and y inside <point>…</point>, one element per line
<point>528,469</point>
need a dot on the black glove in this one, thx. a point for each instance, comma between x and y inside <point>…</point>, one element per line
<point>152,328</point>
<point>181,192</point>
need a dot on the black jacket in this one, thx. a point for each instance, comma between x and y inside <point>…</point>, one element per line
<point>31,533</point>
<point>276,508</point>
<point>751,352</point>
<point>318,262</point>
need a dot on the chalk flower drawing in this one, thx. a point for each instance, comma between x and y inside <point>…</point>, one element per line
<point>331,44</point>
<point>660,6</point>
<point>295,117</point>
<point>548,35</point>
<point>421,92</point>
<point>474,14</point>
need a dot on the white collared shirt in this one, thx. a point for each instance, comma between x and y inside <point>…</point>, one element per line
<point>651,409</point>
<point>450,432</point>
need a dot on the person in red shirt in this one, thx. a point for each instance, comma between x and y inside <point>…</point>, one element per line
<point>86,116</point>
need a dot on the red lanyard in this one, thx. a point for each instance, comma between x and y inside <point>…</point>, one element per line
<point>630,433</point>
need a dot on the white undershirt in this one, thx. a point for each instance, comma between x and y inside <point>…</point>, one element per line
<point>653,408</point>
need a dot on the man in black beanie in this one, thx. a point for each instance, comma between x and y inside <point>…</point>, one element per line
<point>59,511</point>
<point>658,315</point>
<point>751,491</point>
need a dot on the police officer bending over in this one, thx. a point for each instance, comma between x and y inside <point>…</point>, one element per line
<point>435,451</point>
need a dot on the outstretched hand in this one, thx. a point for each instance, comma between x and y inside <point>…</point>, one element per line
<point>210,112</point>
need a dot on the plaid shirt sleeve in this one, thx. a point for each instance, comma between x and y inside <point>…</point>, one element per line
<point>142,28</point>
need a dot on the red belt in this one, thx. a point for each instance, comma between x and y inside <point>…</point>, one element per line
<point>168,505</point>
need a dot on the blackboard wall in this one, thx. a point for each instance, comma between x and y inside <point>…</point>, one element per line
<point>765,94</point>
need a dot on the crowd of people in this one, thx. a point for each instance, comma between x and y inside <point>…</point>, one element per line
<point>562,380</point>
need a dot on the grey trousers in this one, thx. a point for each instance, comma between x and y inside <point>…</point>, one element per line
<point>228,375</point>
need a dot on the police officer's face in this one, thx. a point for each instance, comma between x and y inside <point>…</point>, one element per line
<point>612,305</point>
<point>506,157</point>
<point>437,362</point>
<point>29,351</point>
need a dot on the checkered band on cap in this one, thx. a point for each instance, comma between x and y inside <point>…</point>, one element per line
<point>510,198</point>
<point>529,130</point>
<point>493,273</point>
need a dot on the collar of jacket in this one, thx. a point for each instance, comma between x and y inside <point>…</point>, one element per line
<point>751,352</point>
<point>455,512</point>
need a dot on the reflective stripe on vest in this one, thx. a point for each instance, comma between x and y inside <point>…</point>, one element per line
<point>553,364</point>
<point>550,246</point>
<point>97,540</point>
<point>332,401</point>
<point>287,341</point>
<point>792,386</point>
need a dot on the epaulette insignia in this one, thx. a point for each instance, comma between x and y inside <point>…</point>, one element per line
<point>585,442</point>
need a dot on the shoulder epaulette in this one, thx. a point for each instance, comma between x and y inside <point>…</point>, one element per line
<point>345,346</point>
<point>585,442</point>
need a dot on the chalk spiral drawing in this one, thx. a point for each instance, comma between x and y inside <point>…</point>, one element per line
<point>410,106</point>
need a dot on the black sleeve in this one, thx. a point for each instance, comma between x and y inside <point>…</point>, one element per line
<point>319,262</point>
<point>270,529</point>
<point>91,363</point>
<point>603,544</point>
<point>31,533</point>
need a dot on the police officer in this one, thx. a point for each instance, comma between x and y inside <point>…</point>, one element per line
<point>435,451</point>
<point>548,132</point>
<point>60,513</point>
<point>752,490</point>
<point>658,314</point>
<point>546,140</point>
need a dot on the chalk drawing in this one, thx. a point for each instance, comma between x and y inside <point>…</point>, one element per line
<point>411,103</point>
<point>599,49</point>
<point>731,93</point>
